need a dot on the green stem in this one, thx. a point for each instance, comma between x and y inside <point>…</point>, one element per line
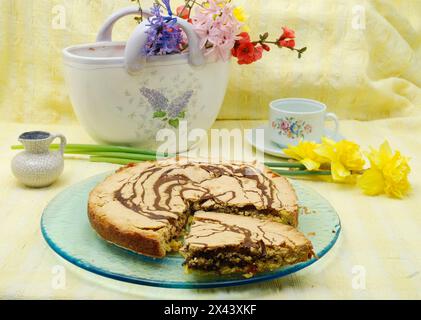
<point>302,172</point>
<point>118,155</point>
<point>124,155</point>
<point>102,148</point>
<point>285,165</point>
<point>112,160</point>
<point>187,7</point>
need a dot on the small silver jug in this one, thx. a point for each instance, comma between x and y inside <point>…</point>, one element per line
<point>37,166</point>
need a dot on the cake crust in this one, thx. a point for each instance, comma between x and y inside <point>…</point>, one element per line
<point>140,241</point>
<point>144,207</point>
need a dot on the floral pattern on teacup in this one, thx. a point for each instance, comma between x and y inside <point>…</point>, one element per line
<point>291,127</point>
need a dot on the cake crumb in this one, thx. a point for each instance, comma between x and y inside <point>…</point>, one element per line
<point>306,210</point>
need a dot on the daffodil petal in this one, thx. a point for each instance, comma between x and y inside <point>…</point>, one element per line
<point>325,151</point>
<point>291,152</point>
<point>339,172</point>
<point>385,149</point>
<point>327,140</point>
<point>372,182</point>
<point>310,164</point>
<point>395,173</point>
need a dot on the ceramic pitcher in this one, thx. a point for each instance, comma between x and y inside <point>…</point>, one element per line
<point>37,166</point>
<point>121,97</point>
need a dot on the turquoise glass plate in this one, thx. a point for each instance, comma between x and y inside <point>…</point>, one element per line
<point>65,227</point>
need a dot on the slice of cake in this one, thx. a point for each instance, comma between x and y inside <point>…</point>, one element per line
<point>230,244</point>
<point>144,207</point>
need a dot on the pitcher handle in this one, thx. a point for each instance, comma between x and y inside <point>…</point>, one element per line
<point>134,60</point>
<point>106,31</point>
<point>63,141</point>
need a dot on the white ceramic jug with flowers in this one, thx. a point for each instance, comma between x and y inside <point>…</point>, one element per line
<point>124,98</point>
<point>173,68</point>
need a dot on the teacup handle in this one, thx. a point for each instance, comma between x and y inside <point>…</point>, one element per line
<point>334,118</point>
<point>63,141</point>
<point>106,31</point>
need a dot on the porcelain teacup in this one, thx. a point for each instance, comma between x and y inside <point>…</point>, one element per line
<point>293,120</point>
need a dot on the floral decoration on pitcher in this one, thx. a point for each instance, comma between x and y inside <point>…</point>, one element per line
<point>166,110</point>
<point>291,127</point>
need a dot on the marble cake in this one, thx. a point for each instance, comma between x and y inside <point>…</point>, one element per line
<point>145,207</point>
<point>229,243</point>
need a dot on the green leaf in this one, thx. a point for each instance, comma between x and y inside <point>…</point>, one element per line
<point>159,114</point>
<point>174,123</point>
<point>182,115</point>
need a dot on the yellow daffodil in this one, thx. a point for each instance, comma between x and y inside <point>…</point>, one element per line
<point>388,173</point>
<point>372,182</point>
<point>242,17</point>
<point>304,153</point>
<point>239,14</point>
<point>344,157</point>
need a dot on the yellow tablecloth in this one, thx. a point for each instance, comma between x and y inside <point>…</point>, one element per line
<point>380,237</point>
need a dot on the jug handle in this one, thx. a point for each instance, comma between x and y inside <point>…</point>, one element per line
<point>63,141</point>
<point>106,31</point>
<point>134,60</point>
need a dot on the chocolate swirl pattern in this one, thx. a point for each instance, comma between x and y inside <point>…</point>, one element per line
<point>222,229</point>
<point>232,243</point>
<point>144,207</point>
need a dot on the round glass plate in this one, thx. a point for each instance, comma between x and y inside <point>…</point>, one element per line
<point>65,227</point>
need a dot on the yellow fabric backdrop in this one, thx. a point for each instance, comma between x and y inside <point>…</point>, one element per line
<point>362,74</point>
<point>362,68</point>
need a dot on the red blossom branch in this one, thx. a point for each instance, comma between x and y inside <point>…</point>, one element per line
<point>247,51</point>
